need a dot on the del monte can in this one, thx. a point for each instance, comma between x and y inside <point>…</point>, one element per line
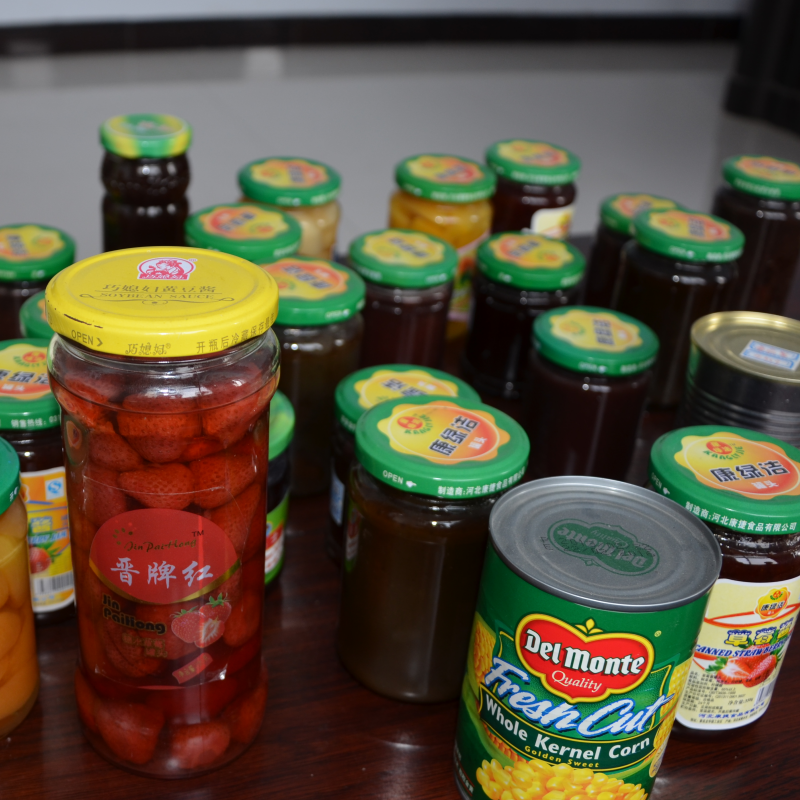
<point>592,595</point>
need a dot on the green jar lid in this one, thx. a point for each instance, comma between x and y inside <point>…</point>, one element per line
<point>32,252</point>
<point>289,181</point>
<point>530,262</point>
<point>315,292</point>
<point>763,176</point>
<point>447,179</point>
<point>406,259</point>
<point>246,230</point>
<point>32,320</point>
<point>442,447</point>
<point>281,424</point>
<point>26,401</point>
<point>367,387</point>
<point>596,340</point>
<point>146,135</point>
<point>9,475</point>
<point>688,235</point>
<point>735,478</point>
<point>526,161</point>
<point>617,212</point>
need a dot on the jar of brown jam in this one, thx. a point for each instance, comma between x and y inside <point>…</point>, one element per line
<point>429,471</point>
<point>320,328</point>
<point>356,394</point>
<point>29,256</point>
<point>679,268</point>
<point>744,485</point>
<point>30,423</point>
<point>614,231</point>
<point>761,196</point>
<point>146,174</point>
<point>535,187</point>
<point>519,276</point>
<point>409,278</point>
<point>585,395</point>
<point>32,319</point>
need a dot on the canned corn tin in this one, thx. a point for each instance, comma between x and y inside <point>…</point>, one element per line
<point>592,595</point>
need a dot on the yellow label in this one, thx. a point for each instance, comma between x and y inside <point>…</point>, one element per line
<point>687,225</point>
<point>28,243</point>
<point>307,280</point>
<point>401,247</point>
<point>387,384</point>
<point>444,169</point>
<point>770,169</point>
<point>443,432</point>
<point>554,223</point>
<point>289,173</point>
<point>723,460</point>
<point>739,652</point>
<point>44,495</point>
<point>530,251</point>
<point>629,205</point>
<point>540,154</point>
<point>23,372</point>
<point>597,330</point>
<point>243,222</point>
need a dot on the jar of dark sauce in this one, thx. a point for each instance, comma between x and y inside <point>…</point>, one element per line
<point>679,268</point>
<point>586,391</point>
<point>519,276</point>
<point>146,174</point>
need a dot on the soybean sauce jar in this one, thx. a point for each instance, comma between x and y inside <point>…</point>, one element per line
<point>32,319</point>
<point>588,382</point>
<point>535,187</point>
<point>519,276</point>
<point>429,472</point>
<point>409,279</point>
<point>281,430</point>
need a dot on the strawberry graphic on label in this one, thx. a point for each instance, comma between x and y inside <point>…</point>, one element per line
<point>186,625</point>
<point>204,625</point>
<point>219,609</point>
<point>747,671</point>
<point>210,631</point>
<point>40,559</point>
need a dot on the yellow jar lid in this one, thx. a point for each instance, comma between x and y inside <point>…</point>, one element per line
<point>161,302</point>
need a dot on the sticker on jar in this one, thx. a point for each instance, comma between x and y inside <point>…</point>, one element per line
<point>23,373</point>
<point>771,355</point>
<point>289,173</point>
<point>462,283</point>
<point>276,529</point>
<point>444,169</point>
<point>688,225</point>
<point>307,280</point>
<point>403,247</point>
<point>244,222</point>
<point>28,242</point>
<point>554,223</point>
<point>337,497</point>
<point>387,384</point>
<point>770,169</point>
<point>595,330</point>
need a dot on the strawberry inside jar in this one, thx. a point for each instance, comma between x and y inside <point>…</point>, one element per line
<point>164,365</point>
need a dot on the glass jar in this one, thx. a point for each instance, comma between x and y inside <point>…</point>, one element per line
<point>246,230</point>
<point>319,328</point>
<point>679,268</point>
<point>30,255</point>
<point>409,278</point>
<point>359,392</point>
<point>519,276</point>
<point>304,189</point>
<point>32,321</point>
<point>281,429</point>
<point>585,395</point>
<point>535,187</point>
<point>165,421</point>
<point>19,669</point>
<point>614,231</point>
<point>429,471</point>
<point>761,196</point>
<point>743,484</point>
<point>146,173</point>
<point>447,197</point>
<point>29,422</point>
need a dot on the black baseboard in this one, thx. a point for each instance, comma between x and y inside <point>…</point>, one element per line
<point>95,37</point>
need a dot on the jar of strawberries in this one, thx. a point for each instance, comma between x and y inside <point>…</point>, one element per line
<point>164,364</point>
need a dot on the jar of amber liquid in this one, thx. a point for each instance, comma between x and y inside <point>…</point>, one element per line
<point>409,278</point>
<point>146,174</point>
<point>30,255</point>
<point>588,382</point>
<point>447,197</point>
<point>165,423</point>
<point>519,276</point>
<point>355,395</point>
<point>743,485</point>
<point>306,190</point>
<point>281,430</point>
<point>429,471</point>
<point>320,330</point>
<point>613,233</point>
<point>679,268</point>
<point>535,187</point>
<point>32,321</point>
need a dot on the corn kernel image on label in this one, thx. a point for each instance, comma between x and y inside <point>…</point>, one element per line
<point>596,330</point>
<point>243,222</point>
<point>307,280</point>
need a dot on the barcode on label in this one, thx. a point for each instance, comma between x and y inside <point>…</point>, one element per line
<point>764,693</point>
<point>53,584</point>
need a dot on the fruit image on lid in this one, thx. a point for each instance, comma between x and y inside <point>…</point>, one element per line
<point>688,235</point>
<point>9,475</point>
<point>26,401</point>
<point>618,210</point>
<point>165,302</point>
<point>526,161</point>
<point>290,181</point>
<point>445,178</point>
<point>763,176</point>
<point>436,446</point>
<point>530,262</point>
<point>315,292</point>
<point>32,319</point>
<point>29,252</point>
<point>146,135</point>
<point>407,259</point>
<point>281,424</point>
<point>246,230</point>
